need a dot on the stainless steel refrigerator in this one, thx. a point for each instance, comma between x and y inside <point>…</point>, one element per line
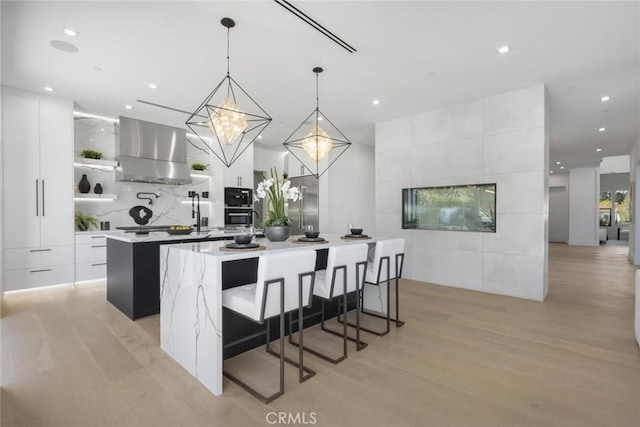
<point>305,211</point>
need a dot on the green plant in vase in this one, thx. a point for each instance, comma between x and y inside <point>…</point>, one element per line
<point>91,154</point>
<point>277,191</point>
<point>85,221</point>
<point>199,167</point>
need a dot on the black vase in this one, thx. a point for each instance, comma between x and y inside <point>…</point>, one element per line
<point>97,189</point>
<point>84,186</point>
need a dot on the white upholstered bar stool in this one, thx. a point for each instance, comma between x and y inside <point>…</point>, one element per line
<point>386,265</point>
<point>285,283</point>
<point>345,272</point>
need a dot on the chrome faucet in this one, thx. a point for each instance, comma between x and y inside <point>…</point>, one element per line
<point>194,213</point>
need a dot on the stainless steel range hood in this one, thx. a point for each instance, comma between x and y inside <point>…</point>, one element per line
<point>150,152</point>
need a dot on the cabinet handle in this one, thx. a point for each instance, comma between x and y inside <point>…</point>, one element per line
<point>37,199</point>
<point>301,170</point>
<point>97,237</point>
<point>98,246</point>
<point>40,250</point>
<point>96,265</point>
<point>43,197</point>
<point>239,214</point>
<point>40,271</point>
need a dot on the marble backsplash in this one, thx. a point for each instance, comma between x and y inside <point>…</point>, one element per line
<point>172,206</point>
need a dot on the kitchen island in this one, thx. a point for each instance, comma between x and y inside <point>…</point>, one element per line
<point>191,315</point>
<point>133,267</point>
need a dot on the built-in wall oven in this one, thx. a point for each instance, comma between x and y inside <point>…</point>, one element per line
<point>238,216</point>
<point>238,206</point>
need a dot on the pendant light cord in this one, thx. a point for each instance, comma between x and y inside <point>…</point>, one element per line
<point>317,97</point>
<point>228,32</point>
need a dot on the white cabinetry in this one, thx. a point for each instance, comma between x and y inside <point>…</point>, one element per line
<point>295,167</point>
<point>38,191</point>
<point>240,173</point>
<point>91,257</point>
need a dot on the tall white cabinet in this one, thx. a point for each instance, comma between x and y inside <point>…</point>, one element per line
<point>240,173</point>
<point>38,183</point>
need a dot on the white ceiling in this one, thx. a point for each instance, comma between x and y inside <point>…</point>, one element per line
<point>412,56</point>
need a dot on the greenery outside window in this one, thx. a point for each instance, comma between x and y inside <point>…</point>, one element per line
<point>455,208</point>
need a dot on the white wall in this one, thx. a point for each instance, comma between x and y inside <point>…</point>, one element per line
<point>634,230</point>
<point>351,190</point>
<point>583,206</point>
<point>500,138</point>
<point>559,208</point>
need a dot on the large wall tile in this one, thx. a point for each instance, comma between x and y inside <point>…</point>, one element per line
<point>393,166</point>
<point>497,139</point>
<point>517,234</point>
<point>519,192</point>
<point>389,196</point>
<point>460,121</point>
<point>390,225</point>
<point>515,110</point>
<point>393,134</point>
<point>516,151</point>
<point>447,240</point>
<point>455,158</point>
<point>514,275</point>
<point>450,267</point>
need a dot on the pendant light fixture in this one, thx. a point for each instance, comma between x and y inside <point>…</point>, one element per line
<point>317,143</point>
<point>228,120</point>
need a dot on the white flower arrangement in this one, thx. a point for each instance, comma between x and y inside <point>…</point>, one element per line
<point>276,191</point>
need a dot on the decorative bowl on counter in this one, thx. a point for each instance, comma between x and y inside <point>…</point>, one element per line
<point>356,231</point>
<point>311,234</point>
<point>243,239</point>
<point>176,230</point>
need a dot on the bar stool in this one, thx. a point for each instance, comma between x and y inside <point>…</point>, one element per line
<point>345,272</point>
<point>285,283</point>
<point>388,259</point>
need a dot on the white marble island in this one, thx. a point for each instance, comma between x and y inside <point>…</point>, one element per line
<point>190,300</point>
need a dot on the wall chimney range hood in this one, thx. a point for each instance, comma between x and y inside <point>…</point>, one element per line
<point>151,152</point>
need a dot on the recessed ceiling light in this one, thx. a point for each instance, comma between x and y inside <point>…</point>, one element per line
<point>602,129</point>
<point>605,99</point>
<point>598,149</point>
<point>561,167</point>
<point>70,32</point>
<point>557,163</point>
<point>153,86</point>
<point>128,107</point>
<point>259,136</point>
<point>550,171</point>
<point>504,49</point>
<point>375,102</point>
<point>48,88</point>
<point>101,129</point>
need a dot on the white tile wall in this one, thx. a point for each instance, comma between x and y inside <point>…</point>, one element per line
<point>460,121</point>
<point>501,139</point>
<point>515,110</point>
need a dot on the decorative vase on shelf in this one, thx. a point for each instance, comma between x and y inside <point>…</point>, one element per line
<point>84,186</point>
<point>277,233</point>
<point>97,189</point>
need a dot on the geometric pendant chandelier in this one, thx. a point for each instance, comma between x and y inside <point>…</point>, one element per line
<point>228,120</point>
<point>317,143</point>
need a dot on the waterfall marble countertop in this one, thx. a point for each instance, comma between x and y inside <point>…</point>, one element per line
<point>163,236</point>
<point>191,299</point>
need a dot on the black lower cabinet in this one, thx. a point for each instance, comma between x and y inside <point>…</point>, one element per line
<point>133,275</point>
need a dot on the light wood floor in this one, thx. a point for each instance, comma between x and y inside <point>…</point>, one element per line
<point>463,359</point>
